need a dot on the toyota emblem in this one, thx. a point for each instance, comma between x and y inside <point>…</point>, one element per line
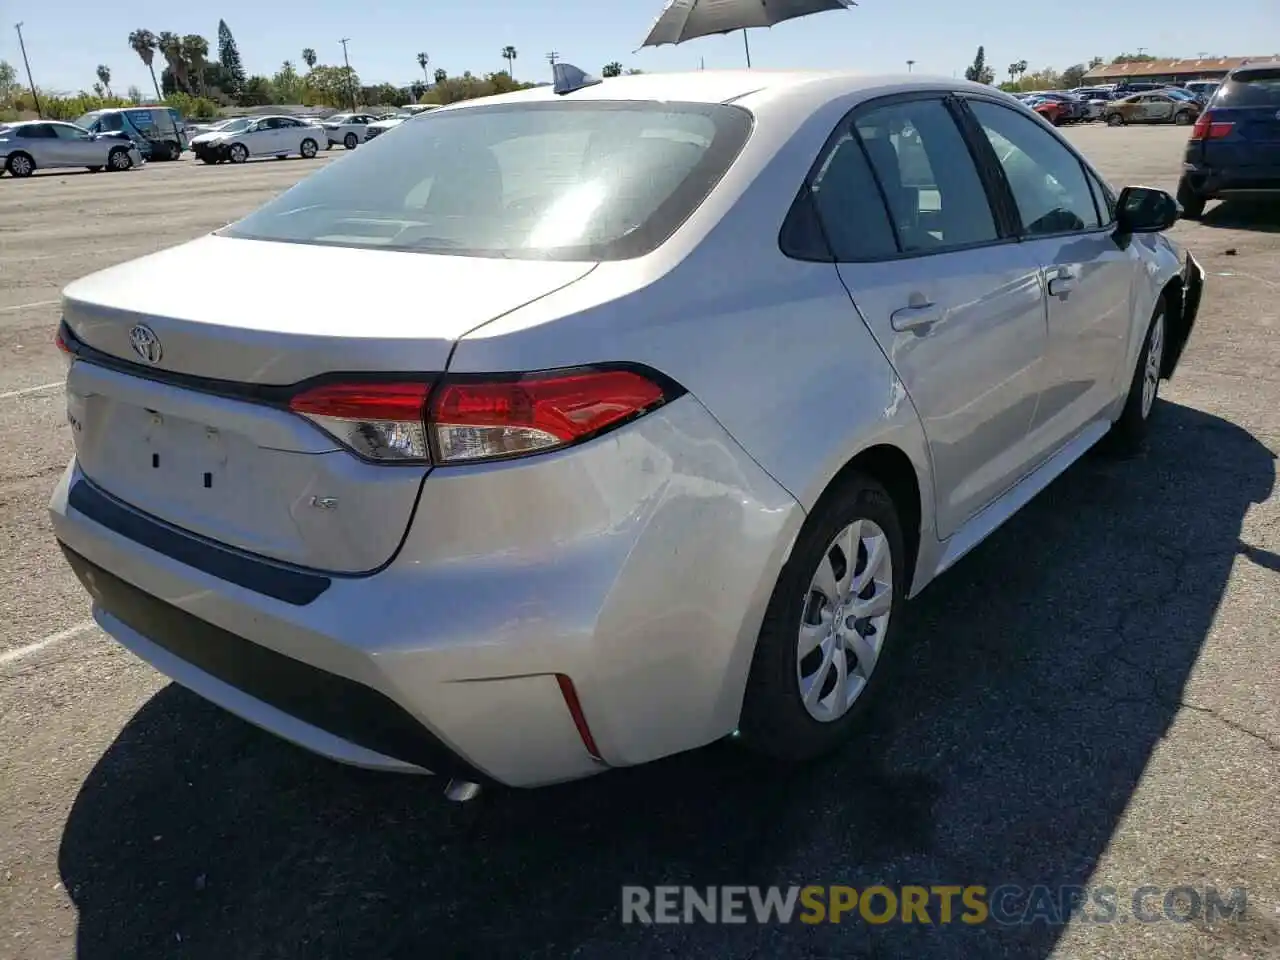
<point>145,343</point>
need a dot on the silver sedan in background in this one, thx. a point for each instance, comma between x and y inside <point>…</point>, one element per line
<point>679,387</point>
<point>44,144</point>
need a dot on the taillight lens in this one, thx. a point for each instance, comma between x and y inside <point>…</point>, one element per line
<point>379,421</point>
<point>1207,128</point>
<point>469,419</point>
<point>485,420</point>
<point>64,348</point>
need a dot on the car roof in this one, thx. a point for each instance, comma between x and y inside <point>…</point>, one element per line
<point>800,89</point>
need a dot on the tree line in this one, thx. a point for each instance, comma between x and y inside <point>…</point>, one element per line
<point>1023,78</point>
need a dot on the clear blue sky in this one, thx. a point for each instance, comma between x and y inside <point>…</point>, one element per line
<point>66,40</point>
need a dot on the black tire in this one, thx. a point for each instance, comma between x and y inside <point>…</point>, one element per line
<point>1129,432</point>
<point>1183,118</point>
<point>350,141</point>
<point>208,159</point>
<point>237,153</point>
<point>1191,202</point>
<point>20,165</point>
<point>119,160</point>
<point>775,721</point>
<point>172,151</point>
<point>308,149</point>
<point>1115,120</point>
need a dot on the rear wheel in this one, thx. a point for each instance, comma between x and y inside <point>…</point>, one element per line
<point>350,141</point>
<point>20,165</point>
<point>1191,202</point>
<point>827,626</point>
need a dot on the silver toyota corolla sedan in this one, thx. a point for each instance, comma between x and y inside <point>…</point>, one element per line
<point>43,144</point>
<point>676,388</point>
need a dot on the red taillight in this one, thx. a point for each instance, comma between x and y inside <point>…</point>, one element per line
<point>1207,128</point>
<point>466,419</point>
<point>60,342</point>
<point>484,420</point>
<point>379,421</point>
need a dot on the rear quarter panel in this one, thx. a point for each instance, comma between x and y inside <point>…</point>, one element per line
<point>772,347</point>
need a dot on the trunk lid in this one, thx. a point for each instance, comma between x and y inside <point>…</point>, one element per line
<point>211,454</point>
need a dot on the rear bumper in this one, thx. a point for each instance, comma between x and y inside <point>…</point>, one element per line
<point>1210,182</point>
<point>638,566</point>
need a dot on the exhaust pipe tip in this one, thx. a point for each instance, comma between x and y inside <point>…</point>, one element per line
<point>460,791</point>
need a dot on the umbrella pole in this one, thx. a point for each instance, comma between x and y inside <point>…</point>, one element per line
<point>746,45</point>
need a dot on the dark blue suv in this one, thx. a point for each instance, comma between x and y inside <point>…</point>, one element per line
<point>1234,150</point>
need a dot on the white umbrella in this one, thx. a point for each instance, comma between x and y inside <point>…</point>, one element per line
<point>683,20</point>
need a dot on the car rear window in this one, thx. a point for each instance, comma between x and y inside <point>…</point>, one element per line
<point>1259,88</point>
<point>596,180</point>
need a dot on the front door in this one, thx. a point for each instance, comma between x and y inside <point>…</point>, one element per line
<point>1066,224</point>
<point>958,310</point>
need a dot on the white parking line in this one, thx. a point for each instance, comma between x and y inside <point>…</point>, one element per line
<point>9,656</point>
<point>25,390</point>
<point>28,306</point>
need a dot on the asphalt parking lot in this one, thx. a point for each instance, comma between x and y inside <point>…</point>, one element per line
<point>1091,697</point>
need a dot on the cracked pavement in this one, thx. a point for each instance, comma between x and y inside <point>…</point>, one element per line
<point>1091,697</point>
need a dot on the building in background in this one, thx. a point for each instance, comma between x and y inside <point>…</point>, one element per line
<point>1170,71</point>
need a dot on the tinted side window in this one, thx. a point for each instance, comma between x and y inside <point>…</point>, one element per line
<point>1046,179</point>
<point>928,177</point>
<point>849,205</point>
<point>111,123</point>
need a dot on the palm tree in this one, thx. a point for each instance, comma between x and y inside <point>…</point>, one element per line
<point>195,51</point>
<point>309,58</point>
<point>143,43</point>
<point>423,60</point>
<point>441,76</point>
<point>510,54</point>
<point>104,77</point>
<point>170,45</point>
<point>612,69</point>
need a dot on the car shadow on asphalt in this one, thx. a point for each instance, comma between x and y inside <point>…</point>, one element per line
<point>1037,678</point>
<point>1259,216</point>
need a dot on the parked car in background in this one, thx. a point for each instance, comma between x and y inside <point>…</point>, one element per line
<point>1129,87</point>
<point>1234,150</point>
<point>347,129</point>
<point>159,132</point>
<point>1203,89</point>
<point>544,501</point>
<point>246,137</point>
<point>200,129</point>
<point>45,144</point>
<point>1164,106</point>
<point>1057,110</point>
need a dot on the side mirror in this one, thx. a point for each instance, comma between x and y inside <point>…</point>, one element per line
<point>1145,210</point>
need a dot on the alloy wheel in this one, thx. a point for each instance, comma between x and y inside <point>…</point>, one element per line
<point>20,166</point>
<point>120,160</point>
<point>845,620</point>
<point>1155,359</point>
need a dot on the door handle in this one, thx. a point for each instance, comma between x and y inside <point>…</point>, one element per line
<point>919,314</point>
<point>1061,286</point>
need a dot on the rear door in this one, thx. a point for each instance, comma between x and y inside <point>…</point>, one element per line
<point>1249,101</point>
<point>957,308</point>
<point>1066,224</point>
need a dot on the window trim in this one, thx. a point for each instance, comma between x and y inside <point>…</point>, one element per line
<point>846,126</point>
<point>984,146</point>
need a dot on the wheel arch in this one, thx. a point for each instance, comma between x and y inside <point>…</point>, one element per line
<point>893,469</point>
<point>21,153</point>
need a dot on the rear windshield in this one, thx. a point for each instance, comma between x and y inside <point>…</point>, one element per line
<point>598,180</point>
<point>1253,89</point>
